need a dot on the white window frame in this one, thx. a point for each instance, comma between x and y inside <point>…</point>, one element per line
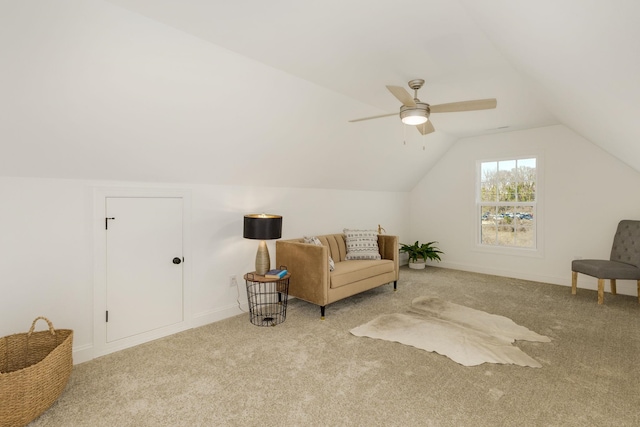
<point>537,249</point>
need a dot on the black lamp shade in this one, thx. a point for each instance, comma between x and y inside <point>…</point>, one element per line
<point>262,226</point>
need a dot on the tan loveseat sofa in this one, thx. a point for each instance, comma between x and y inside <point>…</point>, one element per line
<point>311,279</point>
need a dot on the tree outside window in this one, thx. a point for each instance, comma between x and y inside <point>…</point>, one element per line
<point>507,203</point>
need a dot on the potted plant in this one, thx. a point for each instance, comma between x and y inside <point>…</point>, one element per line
<point>419,253</point>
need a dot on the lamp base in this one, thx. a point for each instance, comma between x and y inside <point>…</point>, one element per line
<point>263,262</point>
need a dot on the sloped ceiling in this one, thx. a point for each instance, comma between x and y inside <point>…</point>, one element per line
<point>581,57</point>
<point>260,93</point>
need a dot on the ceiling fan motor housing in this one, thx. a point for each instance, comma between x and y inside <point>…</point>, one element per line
<point>420,113</point>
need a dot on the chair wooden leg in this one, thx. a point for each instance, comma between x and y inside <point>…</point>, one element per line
<point>600,291</point>
<point>613,286</point>
<point>574,282</point>
<point>638,291</point>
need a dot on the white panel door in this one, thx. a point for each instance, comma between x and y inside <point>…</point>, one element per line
<point>144,264</point>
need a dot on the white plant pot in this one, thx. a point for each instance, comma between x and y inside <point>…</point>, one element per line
<point>417,265</point>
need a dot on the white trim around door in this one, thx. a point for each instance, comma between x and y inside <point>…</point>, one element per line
<point>100,344</point>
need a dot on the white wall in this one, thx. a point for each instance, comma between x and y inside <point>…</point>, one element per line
<point>47,242</point>
<point>102,93</point>
<point>583,194</point>
<point>47,227</point>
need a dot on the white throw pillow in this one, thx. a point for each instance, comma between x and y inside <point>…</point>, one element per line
<point>362,244</point>
<point>315,241</point>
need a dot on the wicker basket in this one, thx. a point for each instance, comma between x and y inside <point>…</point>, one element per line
<point>34,370</point>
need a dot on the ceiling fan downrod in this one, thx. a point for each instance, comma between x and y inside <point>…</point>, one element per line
<point>416,84</point>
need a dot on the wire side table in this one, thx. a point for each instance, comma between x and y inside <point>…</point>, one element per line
<point>267,299</point>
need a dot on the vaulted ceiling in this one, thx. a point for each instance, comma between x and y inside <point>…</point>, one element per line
<point>260,93</point>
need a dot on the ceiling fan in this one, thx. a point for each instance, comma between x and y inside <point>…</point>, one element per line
<point>415,112</point>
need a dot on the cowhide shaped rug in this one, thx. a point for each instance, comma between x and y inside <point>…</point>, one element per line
<point>467,336</point>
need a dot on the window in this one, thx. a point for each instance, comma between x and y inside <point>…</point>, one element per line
<point>506,203</point>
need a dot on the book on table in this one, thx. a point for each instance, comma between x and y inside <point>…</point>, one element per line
<point>276,273</point>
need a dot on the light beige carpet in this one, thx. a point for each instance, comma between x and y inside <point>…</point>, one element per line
<point>309,372</point>
<point>467,336</point>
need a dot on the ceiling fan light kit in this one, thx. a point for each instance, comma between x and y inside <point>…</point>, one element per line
<point>415,115</point>
<point>415,112</point>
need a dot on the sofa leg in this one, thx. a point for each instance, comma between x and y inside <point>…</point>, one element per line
<point>322,312</point>
<point>395,285</point>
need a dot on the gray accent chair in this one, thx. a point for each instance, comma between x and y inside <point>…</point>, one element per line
<point>623,264</point>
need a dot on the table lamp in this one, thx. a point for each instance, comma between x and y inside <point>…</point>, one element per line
<point>262,227</point>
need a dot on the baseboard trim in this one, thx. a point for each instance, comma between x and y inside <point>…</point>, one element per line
<point>211,316</point>
<point>82,353</point>
<point>87,352</point>
<point>584,282</point>
<point>507,273</point>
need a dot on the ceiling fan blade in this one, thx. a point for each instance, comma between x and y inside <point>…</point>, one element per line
<point>426,127</point>
<point>373,117</point>
<point>402,95</point>
<point>453,107</point>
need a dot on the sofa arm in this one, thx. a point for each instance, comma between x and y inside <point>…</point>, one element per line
<point>309,268</point>
<point>389,249</point>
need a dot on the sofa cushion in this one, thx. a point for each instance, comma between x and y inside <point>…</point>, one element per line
<point>348,272</point>
<point>336,245</point>
<point>362,244</point>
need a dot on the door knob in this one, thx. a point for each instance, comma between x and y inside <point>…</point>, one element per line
<point>177,260</point>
